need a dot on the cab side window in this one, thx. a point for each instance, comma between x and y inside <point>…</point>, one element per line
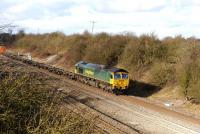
<point>111,76</point>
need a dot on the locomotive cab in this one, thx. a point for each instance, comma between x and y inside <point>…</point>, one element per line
<point>120,79</point>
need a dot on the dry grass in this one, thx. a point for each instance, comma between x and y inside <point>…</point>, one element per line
<point>192,108</point>
<point>29,104</point>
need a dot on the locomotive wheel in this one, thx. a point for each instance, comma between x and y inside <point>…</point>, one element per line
<point>117,92</point>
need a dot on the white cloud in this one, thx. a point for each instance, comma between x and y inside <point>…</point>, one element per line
<point>79,10</point>
<point>164,17</point>
<point>135,5</point>
<point>20,8</point>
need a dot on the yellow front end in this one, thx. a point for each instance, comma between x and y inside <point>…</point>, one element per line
<point>120,80</point>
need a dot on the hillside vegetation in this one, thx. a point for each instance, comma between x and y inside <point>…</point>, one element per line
<point>172,60</point>
<point>29,104</point>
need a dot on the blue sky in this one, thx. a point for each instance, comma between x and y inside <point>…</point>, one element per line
<point>162,17</point>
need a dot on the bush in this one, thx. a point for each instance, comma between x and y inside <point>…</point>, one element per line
<point>77,48</point>
<point>30,105</point>
<point>106,49</point>
<point>43,45</point>
<point>189,76</point>
<point>193,91</point>
<point>189,79</point>
<point>143,52</point>
<point>162,74</point>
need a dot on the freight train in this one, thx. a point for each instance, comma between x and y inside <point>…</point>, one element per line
<point>114,80</point>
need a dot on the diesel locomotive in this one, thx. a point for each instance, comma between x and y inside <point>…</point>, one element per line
<point>111,79</point>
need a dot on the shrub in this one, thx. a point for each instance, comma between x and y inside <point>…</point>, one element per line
<point>106,49</point>
<point>143,52</point>
<point>45,44</point>
<point>189,76</point>
<point>30,105</point>
<point>77,48</point>
<point>189,79</point>
<point>193,91</point>
<point>162,74</point>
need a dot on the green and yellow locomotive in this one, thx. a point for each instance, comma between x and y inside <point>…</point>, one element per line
<point>111,79</point>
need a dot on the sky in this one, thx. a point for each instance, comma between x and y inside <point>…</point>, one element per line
<point>161,17</point>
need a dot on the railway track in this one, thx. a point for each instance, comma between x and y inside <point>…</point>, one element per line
<point>70,75</point>
<point>66,74</point>
<point>104,124</point>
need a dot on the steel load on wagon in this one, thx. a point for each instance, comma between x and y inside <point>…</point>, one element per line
<point>2,49</point>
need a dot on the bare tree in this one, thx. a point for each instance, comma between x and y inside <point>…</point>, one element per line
<point>6,28</point>
<point>6,31</point>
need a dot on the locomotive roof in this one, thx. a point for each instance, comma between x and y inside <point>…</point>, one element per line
<point>98,67</point>
<point>114,69</point>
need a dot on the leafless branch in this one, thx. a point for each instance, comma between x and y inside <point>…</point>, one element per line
<point>6,27</point>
